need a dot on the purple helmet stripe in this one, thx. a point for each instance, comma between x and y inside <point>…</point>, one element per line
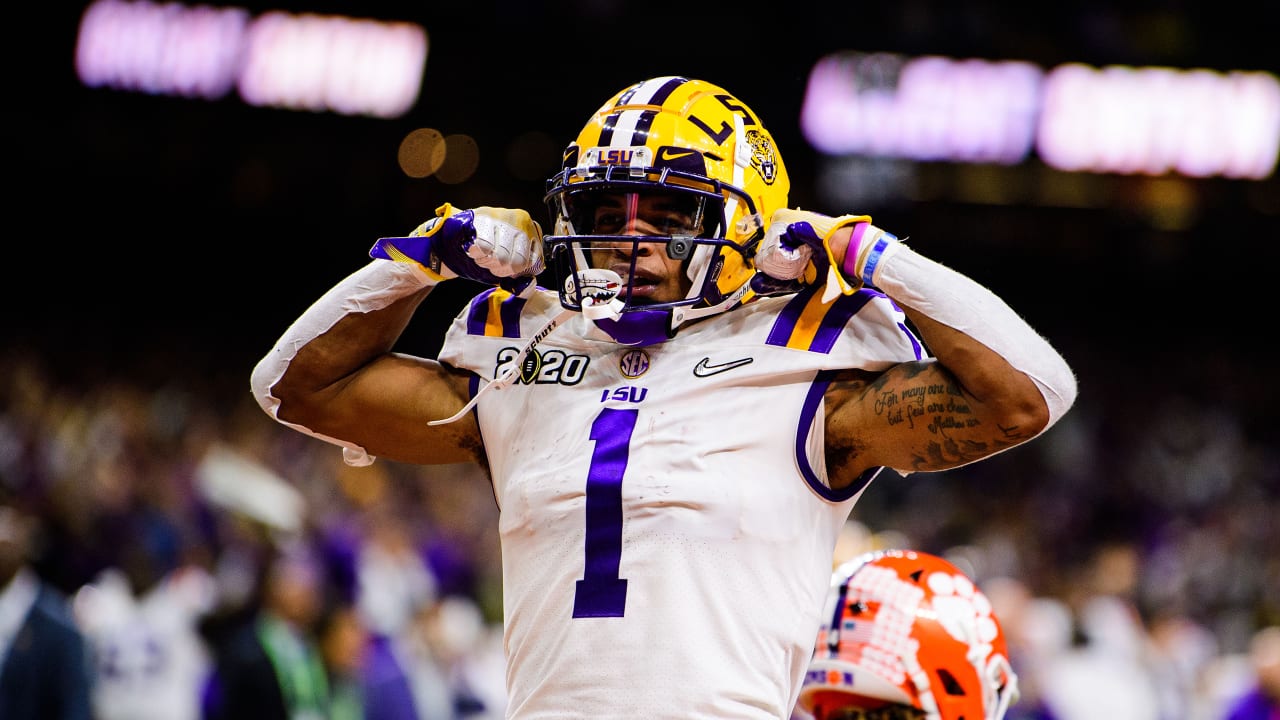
<point>606,132</point>
<point>625,98</point>
<point>664,92</point>
<point>641,134</point>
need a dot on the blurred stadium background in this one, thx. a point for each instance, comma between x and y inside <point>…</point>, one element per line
<point>164,240</point>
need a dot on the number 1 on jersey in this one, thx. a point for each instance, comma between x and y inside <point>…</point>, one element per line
<point>601,593</point>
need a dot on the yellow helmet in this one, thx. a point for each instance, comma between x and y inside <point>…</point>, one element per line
<point>675,135</point>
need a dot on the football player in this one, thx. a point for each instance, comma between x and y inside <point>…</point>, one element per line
<point>678,426</point>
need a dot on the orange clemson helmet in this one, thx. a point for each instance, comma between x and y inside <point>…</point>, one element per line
<point>908,635</point>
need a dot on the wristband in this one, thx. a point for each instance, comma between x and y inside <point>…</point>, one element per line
<point>867,245</point>
<point>873,258</point>
<point>850,265</point>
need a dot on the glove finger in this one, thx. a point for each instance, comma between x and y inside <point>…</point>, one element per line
<point>764,284</point>
<point>781,262</point>
<point>790,240</point>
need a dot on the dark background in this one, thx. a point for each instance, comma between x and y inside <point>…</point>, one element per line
<point>167,240</point>
<point>200,227</point>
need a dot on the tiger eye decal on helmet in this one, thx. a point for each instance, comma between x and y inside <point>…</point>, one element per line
<point>677,136</point>
<point>762,158</point>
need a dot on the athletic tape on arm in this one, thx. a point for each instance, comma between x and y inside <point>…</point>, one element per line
<point>959,302</point>
<point>372,287</point>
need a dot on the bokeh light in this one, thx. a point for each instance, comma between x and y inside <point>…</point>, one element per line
<point>422,152</point>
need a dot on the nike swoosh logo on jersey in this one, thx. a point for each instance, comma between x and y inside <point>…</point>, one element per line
<point>704,368</point>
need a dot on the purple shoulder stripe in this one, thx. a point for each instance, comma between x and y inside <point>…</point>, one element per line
<point>495,313</point>
<point>845,307</point>
<point>787,330</point>
<point>786,322</point>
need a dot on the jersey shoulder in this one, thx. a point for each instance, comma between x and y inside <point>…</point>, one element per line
<point>499,313</point>
<point>803,321</point>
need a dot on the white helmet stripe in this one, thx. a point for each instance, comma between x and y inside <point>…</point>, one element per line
<point>630,127</point>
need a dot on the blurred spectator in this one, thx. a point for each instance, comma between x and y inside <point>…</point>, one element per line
<point>1262,701</point>
<point>151,661</point>
<point>1036,629</point>
<point>45,672</point>
<point>470,652</point>
<point>392,576</point>
<point>343,642</point>
<point>1105,673</point>
<point>271,667</point>
<point>1182,651</point>
<point>425,663</point>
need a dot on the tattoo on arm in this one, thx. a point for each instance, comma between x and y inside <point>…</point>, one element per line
<point>919,398</point>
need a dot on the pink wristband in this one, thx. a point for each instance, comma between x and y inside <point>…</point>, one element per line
<point>850,264</point>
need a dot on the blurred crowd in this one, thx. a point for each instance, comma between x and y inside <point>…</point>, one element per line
<point>199,550</point>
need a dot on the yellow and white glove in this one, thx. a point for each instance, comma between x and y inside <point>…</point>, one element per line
<point>797,249</point>
<point>486,244</point>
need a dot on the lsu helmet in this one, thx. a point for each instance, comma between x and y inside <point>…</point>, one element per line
<point>672,135</point>
<point>907,635</point>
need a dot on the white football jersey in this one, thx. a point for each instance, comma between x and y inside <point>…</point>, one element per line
<point>151,661</point>
<point>667,529</point>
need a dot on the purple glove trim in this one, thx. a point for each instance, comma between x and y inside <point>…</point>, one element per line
<point>448,239</point>
<point>763,283</point>
<point>400,249</point>
<point>802,233</point>
<point>452,238</point>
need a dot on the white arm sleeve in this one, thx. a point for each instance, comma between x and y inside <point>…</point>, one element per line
<point>372,287</point>
<point>961,303</point>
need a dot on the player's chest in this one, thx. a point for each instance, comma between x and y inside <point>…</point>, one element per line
<point>675,381</point>
<point>675,400</point>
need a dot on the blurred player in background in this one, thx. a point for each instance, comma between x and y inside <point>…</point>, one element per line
<point>677,430</point>
<point>907,636</point>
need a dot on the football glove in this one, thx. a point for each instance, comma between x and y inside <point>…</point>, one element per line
<point>796,252</point>
<point>494,246</point>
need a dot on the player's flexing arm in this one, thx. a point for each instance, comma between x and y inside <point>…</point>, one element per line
<point>333,374</point>
<point>992,382</point>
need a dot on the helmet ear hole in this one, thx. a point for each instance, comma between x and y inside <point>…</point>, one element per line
<point>949,682</point>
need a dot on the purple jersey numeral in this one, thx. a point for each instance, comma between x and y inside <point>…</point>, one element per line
<point>601,593</point>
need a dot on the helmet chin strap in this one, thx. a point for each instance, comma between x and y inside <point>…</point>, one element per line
<point>682,315</point>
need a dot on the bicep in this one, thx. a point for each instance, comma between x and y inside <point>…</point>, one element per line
<point>385,406</point>
<point>913,417</point>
